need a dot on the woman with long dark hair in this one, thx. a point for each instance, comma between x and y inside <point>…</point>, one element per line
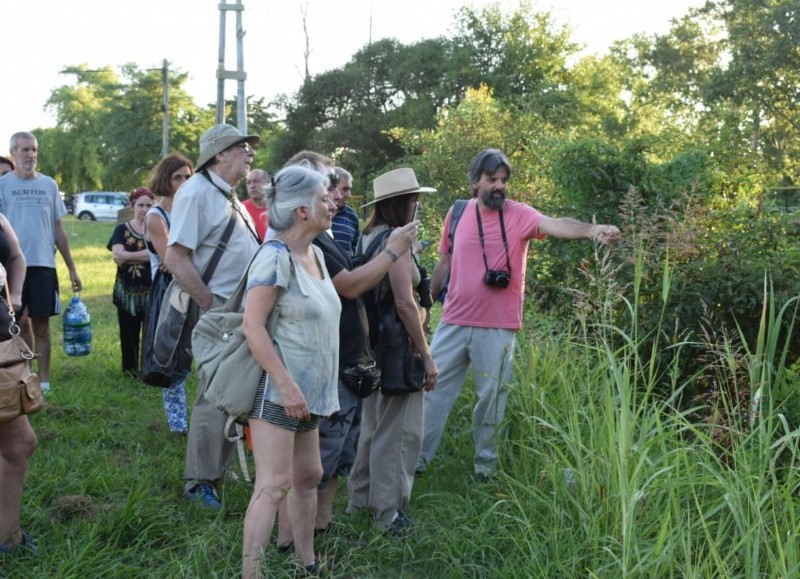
<point>172,172</point>
<point>391,425</point>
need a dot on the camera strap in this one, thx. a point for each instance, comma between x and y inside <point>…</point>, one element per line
<point>502,232</point>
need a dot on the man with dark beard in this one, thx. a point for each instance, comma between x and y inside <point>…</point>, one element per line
<point>483,310</point>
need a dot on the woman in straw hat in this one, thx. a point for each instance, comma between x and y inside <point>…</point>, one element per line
<point>391,425</point>
<point>291,322</point>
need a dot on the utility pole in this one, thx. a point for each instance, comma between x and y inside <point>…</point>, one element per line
<point>164,104</point>
<point>239,74</point>
<point>165,109</point>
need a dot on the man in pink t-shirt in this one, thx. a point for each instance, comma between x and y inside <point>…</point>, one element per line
<point>256,204</point>
<point>483,310</point>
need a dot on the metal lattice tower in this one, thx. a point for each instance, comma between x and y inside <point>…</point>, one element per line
<point>239,74</point>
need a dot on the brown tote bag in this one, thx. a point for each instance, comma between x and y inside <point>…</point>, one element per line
<point>19,386</point>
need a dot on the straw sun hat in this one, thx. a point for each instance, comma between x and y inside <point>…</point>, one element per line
<point>395,183</point>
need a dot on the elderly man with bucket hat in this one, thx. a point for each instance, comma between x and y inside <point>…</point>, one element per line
<point>203,208</point>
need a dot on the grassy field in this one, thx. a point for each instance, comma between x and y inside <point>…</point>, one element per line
<point>598,478</point>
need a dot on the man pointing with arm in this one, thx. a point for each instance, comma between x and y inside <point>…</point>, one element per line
<point>483,310</point>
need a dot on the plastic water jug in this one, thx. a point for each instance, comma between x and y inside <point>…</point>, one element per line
<point>77,328</point>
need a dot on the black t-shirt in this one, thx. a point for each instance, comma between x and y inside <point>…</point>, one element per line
<point>353,325</point>
<point>5,318</point>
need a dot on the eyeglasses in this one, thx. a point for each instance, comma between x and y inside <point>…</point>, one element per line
<point>247,148</point>
<point>333,181</point>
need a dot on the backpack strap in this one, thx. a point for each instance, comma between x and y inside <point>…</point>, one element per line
<point>237,438</point>
<point>458,211</point>
<point>455,216</point>
<point>220,249</point>
<point>376,298</point>
<point>163,215</point>
<point>374,246</point>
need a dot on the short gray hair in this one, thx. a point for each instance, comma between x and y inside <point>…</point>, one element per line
<point>17,136</point>
<point>293,186</point>
<point>343,173</point>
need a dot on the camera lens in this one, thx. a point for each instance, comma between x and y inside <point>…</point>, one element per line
<point>498,279</point>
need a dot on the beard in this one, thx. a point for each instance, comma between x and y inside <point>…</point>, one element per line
<point>493,202</point>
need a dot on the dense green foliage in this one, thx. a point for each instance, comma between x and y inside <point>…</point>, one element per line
<point>599,476</point>
<point>697,122</point>
<point>651,429</point>
<point>109,129</point>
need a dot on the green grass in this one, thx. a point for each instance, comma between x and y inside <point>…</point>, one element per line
<point>598,477</point>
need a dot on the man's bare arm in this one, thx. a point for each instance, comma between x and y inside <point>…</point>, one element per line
<point>179,263</point>
<point>569,228</point>
<point>62,243</point>
<point>440,271</point>
<point>353,283</point>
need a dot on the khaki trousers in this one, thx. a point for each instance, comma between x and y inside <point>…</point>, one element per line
<point>208,451</point>
<point>388,448</point>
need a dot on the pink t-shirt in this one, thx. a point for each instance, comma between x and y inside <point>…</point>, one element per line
<point>259,218</point>
<point>470,302</point>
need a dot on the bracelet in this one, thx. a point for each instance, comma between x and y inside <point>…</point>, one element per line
<point>394,257</point>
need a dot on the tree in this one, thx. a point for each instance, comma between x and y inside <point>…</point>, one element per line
<point>132,127</point>
<point>108,127</point>
<point>347,111</point>
<point>72,151</point>
<point>762,78</point>
<point>726,75</point>
<point>521,55</point>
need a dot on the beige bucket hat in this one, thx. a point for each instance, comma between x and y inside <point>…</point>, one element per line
<point>218,138</point>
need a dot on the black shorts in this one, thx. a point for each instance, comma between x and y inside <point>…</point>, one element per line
<point>40,297</point>
<point>275,414</point>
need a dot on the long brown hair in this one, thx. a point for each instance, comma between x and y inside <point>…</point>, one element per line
<point>160,183</point>
<point>393,212</point>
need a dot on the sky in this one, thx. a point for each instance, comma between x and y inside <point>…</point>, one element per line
<point>42,37</point>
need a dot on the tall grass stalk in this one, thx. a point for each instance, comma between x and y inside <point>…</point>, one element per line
<point>600,477</point>
<point>609,480</point>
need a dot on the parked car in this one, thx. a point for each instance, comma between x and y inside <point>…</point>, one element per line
<point>69,202</point>
<point>102,205</point>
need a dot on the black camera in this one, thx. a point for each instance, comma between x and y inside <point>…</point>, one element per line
<point>497,278</point>
<point>362,379</point>
<point>424,288</point>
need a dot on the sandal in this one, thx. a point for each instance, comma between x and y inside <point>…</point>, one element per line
<point>286,548</point>
<point>319,568</point>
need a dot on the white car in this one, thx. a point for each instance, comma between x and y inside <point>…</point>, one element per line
<point>103,206</point>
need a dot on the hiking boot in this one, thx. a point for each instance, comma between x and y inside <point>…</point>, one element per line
<point>400,525</point>
<point>25,544</point>
<point>204,494</point>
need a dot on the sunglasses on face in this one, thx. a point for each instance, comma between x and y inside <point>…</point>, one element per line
<point>247,148</point>
<point>333,181</point>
